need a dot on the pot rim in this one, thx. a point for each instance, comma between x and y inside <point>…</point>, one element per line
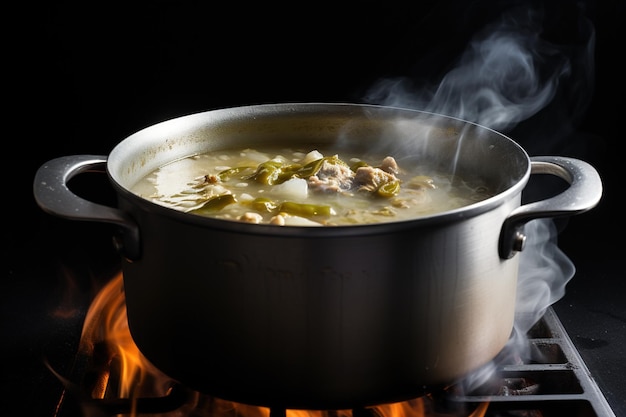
<point>258,111</point>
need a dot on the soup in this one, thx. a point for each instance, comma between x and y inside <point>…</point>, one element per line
<point>316,187</point>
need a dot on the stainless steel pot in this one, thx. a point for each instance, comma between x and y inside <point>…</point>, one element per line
<point>326,317</point>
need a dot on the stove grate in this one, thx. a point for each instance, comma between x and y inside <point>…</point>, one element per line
<point>554,382</point>
<point>559,384</point>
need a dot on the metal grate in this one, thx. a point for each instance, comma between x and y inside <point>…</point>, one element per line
<point>554,382</point>
<point>559,384</point>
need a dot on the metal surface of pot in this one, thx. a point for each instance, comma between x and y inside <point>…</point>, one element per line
<point>325,317</point>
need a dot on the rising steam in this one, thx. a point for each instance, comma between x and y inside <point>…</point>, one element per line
<point>508,74</point>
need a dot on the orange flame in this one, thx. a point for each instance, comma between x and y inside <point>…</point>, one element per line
<point>106,324</point>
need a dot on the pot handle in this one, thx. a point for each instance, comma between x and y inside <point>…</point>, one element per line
<point>583,193</point>
<point>54,197</point>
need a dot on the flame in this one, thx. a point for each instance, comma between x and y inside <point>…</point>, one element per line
<point>106,322</point>
<point>418,408</point>
<point>106,325</point>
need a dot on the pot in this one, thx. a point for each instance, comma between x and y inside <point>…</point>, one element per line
<point>324,317</point>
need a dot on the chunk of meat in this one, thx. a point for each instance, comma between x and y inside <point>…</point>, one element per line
<point>335,178</point>
<point>331,178</point>
<point>370,178</point>
<point>390,165</point>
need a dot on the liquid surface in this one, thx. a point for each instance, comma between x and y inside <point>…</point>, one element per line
<point>305,187</point>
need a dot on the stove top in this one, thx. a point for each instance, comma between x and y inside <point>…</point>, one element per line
<point>553,381</point>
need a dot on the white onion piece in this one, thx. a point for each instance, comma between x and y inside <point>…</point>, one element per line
<point>312,156</point>
<point>300,221</point>
<point>293,189</point>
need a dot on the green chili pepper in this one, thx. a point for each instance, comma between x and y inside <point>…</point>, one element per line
<point>313,167</point>
<point>288,172</point>
<point>389,189</point>
<point>267,172</point>
<point>305,210</point>
<point>215,204</point>
<point>275,172</point>
<point>263,204</point>
<point>227,173</point>
<point>300,171</point>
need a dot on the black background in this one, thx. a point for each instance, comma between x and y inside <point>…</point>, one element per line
<point>82,77</point>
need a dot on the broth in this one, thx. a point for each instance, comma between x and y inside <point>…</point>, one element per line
<point>316,187</point>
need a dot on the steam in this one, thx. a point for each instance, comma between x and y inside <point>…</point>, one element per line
<point>544,273</point>
<point>508,74</point>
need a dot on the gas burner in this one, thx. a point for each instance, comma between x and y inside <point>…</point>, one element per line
<point>554,381</point>
<point>557,382</point>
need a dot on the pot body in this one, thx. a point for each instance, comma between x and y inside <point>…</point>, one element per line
<point>321,322</point>
<point>329,317</point>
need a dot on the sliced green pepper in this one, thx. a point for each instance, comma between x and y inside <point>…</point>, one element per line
<point>264,205</point>
<point>389,189</point>
<point>288,172</point>
<point>215,204</point>
<point>227,173</point>
<point>305,210</point>
<point>267,172</point>
<point>275,172</point>
<point>300,171</point>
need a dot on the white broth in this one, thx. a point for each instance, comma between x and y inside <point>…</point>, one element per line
<point>313,187</point>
